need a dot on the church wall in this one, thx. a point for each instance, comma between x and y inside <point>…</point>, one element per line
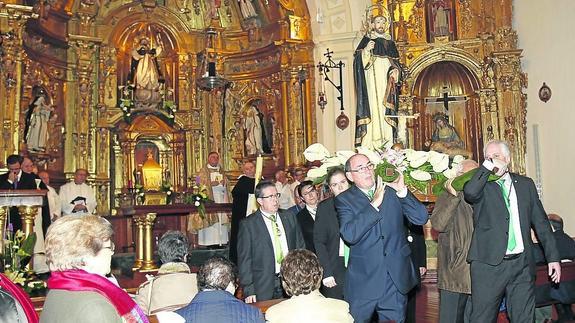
<point>338,28</point>
<point>543,28</point>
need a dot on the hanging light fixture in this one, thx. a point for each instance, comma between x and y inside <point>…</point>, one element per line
<point>209,80</point>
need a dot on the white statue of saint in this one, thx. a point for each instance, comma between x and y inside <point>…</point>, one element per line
<point>253,128</point>
<point>37,134</point>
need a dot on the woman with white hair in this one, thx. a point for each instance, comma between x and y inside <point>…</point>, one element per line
<point>79,250</point>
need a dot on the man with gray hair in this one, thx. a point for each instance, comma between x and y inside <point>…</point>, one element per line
<point>175,285</point>
<point>77,197</point>
<point>452,217</point>
<point>215,302</point>
<point>500,253</point>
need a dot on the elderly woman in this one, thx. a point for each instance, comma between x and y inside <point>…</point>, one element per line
<point>79,250</point>
<point>301,276</point>
<point>174,286</point>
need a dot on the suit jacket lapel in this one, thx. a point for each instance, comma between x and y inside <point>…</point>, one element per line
<point>287,230</point>
<point>262,227</point>
<point>521,197</point>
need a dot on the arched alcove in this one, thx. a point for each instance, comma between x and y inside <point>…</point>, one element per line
<point>445,92</point>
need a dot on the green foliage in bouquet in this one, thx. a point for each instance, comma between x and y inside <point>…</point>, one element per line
<point>460,180</point>
<point>17,253</point>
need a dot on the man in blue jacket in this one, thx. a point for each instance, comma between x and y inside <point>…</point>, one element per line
<point>371,214</point>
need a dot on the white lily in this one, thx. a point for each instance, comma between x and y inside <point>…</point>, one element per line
<point>439,161</point>
<point>450,172</point>
<point>412,155</point>
<point>457,159</point>
<point>315,152</point>
<point>420,175</point>
<point>344,155</point>
<point>332,161</point>
<point>373,155</point>
<point>418,162</point>
<point>317,172</point>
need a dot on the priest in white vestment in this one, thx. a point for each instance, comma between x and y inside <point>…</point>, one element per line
<point>212,175</point>
<point>77,197</point>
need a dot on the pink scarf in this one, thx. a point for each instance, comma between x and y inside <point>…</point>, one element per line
<point>20,296</point>
<point>80,280</point>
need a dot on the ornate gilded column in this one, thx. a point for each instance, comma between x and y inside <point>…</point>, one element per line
<point>510,83</point>
<point>148,263</point>
<point>285,79</point>
<point>139,223</point>
<point>13,18</point>
<point>405,126</point>
<point>3,219</point>
<point>309,107</point>
<point>28,215</point>
<point>78,115</point>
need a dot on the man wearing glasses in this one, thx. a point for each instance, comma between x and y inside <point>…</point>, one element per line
<point>306,217</point>
<point>371,214</point>
<point>265,238</point>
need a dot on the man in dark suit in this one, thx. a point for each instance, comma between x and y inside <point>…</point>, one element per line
<point>416,239</point>
<point>16,179</point>
<point>329,246</point>
<point>306,217</point>
<point>265,238</point>
<point>241,193</point>
<point>380,272</point>
<point>501,248</point>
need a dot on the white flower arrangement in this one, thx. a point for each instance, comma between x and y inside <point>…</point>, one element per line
<point>417,167</point>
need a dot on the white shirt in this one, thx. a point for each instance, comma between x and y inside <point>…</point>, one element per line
<point>311,211</point>
<point>286,199</point>
<point>283,239</point>
<point>54,203</point>
<point>514,216</point>
<point>70,191</point>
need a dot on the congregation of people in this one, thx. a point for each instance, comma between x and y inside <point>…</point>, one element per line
<point>350,249</point>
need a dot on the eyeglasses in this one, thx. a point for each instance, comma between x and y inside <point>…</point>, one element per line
<point>276,195</point>
<point>112,247</point>
<point>362,169</point>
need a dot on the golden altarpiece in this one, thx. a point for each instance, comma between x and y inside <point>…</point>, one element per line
<point>118,82</point>
<point>116,79</point>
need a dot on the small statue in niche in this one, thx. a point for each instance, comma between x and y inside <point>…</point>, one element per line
<point>441,14</point>
<point>37,117</point>
<point>247,9</point>
<point>445,139</point>
<point>256,139</point>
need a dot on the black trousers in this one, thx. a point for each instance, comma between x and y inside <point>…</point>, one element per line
<point>512,279</point>
<point>454,307</point>
<point>339,275</point>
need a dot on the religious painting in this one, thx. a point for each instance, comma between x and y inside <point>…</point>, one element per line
<point>440,15</point>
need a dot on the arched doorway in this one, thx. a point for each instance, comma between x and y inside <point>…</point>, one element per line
<point>450,115</point>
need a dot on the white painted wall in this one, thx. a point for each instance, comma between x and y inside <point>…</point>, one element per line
<point>545,34</point>
<point>339,30</point>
